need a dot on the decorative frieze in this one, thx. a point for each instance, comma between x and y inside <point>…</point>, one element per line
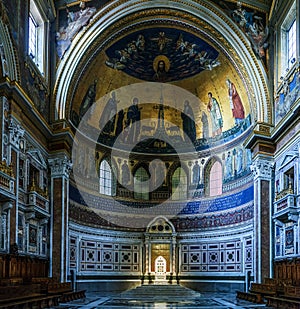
<point>16,132</point>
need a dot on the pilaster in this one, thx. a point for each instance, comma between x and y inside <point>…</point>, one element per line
<point>60,166</point>
<point>262,168</point>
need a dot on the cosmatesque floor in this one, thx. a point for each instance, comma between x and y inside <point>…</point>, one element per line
<point>160,297</point>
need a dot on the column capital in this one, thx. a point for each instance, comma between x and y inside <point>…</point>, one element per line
<point>262,168</point>
<point>6,206</point>
<point>60,165</point>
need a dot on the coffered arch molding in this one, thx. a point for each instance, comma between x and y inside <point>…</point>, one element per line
<point>10,65</point>
<point>200,15</point>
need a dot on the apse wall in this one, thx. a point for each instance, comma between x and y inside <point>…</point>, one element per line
<point>213,232</point>
<point>160,108</point>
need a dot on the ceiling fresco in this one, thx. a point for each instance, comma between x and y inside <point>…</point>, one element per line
<point>206,100</point>
<point>162,54</point>
<point>185,71</point>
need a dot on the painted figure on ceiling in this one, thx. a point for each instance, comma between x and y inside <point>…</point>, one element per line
<point>215,115</point>
<point>188,121</point>
<point>235,102</point>
<point>76,21</point>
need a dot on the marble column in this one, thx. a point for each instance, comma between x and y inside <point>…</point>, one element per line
<point>146,259</point>
<point>60,166</point>
<point>5,212</point>
<point>173,270</point>
<point>262,167</point>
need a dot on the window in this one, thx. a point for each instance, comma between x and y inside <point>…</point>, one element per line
<point>32,37</point>
<point>179,184</point>
<point>288,179</point>
<point>141,184</point>
<point>292,43</point>
<point>105,175</point>
<point>288,40</point>
<point>36,37</point>
<point>215,179</point>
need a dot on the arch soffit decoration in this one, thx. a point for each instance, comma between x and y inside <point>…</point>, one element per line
<point>9,59</point>
<point>201,16</point>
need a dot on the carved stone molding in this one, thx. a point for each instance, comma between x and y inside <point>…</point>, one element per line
<point>60,166</point>
<point>16,132</point>
<point>262,168</point>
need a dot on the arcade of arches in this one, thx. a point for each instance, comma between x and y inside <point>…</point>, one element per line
<point>150,141</point>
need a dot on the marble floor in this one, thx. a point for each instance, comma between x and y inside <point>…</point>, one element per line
<point>141,299</point>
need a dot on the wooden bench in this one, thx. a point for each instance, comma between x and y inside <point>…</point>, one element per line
<point>8,292</point>
<point>32,302</point>
<point>280,284</point>
<point>263,289</point>
<point>11,281</point>
<point>59,288</point>
<point>293,291</point>
<point>253,297</point>
<point>73,295</point>
<point>282,302</point>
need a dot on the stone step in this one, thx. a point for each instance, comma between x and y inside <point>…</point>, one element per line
<point>160,292</point>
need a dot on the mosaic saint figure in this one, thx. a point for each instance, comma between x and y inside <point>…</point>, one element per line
<point>235,102</point>
<point>88,100</point>
<point>161,66</point>
<point>228,166</point>
<point>204,120</point>
<point>239,161</point>
<point>125,173</point>
<point>215,115</point>
<point>188,121</point>
<point>133,121</point>
<point>108,117</point>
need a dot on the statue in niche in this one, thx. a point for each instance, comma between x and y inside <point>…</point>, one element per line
<point>188,121</point>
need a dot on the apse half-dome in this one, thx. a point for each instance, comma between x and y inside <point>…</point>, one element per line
<point>175,74</point>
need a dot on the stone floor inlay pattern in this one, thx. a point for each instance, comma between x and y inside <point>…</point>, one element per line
<point>154,296</point>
